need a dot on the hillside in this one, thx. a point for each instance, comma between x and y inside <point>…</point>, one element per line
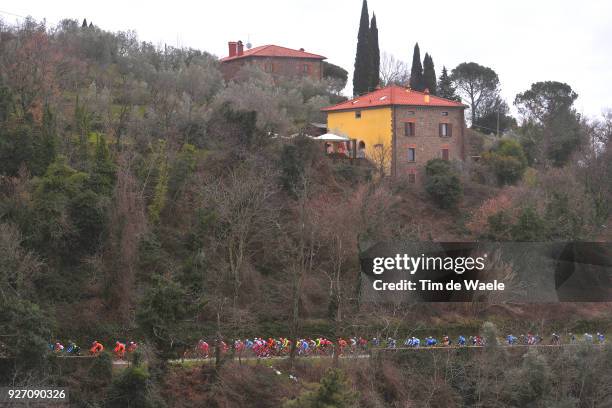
<point>144,198</point>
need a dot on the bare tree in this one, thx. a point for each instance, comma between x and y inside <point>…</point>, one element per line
<point>128,222</point>
<point>242,205</point>
<point>393,71</point>
<point>300,247</point>
<point>18,266</point>
<point>381,157</point>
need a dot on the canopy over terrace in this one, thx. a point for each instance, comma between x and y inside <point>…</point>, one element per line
<point>330,137</point>
<point>337,145</point>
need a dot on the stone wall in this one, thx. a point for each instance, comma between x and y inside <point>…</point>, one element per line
<point>427,142</point>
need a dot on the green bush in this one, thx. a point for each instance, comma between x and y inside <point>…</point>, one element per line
<point>295,159</point>
<point>507,161</point>
<point>102,368</point>
<point>334,390</point>
<point>130,389</point>
<point>442,183</point>
<point>529,226</point>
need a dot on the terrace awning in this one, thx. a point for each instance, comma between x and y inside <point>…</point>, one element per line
<point>330,137</point>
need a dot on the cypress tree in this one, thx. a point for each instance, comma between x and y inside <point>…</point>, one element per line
<point>416,72</point>
<point>363,61</point>
<point>375,54</point>
<point>84,25</point>
<point>445,86</point>
<point>429,74</point>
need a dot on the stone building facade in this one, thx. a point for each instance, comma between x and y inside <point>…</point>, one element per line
<point>276,60</point>
<point>433,132</point>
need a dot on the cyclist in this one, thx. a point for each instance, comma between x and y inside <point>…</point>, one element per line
<point>446,341</point>
<point>601,338</point>
<point>58,347</point>
<point>132,346</point>
<point>119,350</point>
<point>555,339</point>
<point>353,341</point>
<point>73,348</point>
<point>304,346</point>
<point>239,346</point>
<point>391,342</point>
<point>588,338</point>
<point>203,348</point>
<point>572,337</point>
<point>341,346</point>
<point>461,341</point>
<point>96,348</point>
<point>223,347</point>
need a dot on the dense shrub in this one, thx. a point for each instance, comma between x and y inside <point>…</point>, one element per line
<point>295,160</point>
<point>442,183</point>
<point>529,226</point>
<point>130,389</point>
<point>507,161</point>
<point>333,391</point>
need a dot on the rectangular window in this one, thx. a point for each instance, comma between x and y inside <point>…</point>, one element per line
<point>357,114</point>
<point>445,155</point>
<point>411,178</point>
<point>305,68</point>
<point>408,128</point>
<point>446,130</point>
<point>268,67</point>
<point>411,154</point>
<point>444,113</point>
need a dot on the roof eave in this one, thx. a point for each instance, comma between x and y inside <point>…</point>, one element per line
<point>228,59</point>
<point>334,109</point>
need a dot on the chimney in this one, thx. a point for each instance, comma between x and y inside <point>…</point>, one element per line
<point>232,48</point>
<point>301,49</point>
<point>240,48</point>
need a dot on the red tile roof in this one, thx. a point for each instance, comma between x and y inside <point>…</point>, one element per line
<point>274,51</point>
<point>393,95</point>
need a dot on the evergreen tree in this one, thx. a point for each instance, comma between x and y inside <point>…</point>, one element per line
<point>363,60</point>
<point>45,147</point>
<point>429,75</point>
<point>84,25</point>
<point>445,87</point>
<point>334,390</point>
<point>375,54</point>
<point>102,175</point>
<point>416,73</point>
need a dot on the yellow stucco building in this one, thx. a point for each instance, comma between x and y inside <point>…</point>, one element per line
<point>370,126</point>
<point>411,127</point>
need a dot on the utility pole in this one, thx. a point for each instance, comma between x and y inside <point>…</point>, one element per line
<point>497,132</point>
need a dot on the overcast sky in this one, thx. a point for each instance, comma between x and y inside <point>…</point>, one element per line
<point>524,41</point>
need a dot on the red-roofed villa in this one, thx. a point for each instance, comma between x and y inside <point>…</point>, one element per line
<point>274,59</point>
<point>399,128</point>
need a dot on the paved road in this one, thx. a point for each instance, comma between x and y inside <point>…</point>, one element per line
<point>362,355</point>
